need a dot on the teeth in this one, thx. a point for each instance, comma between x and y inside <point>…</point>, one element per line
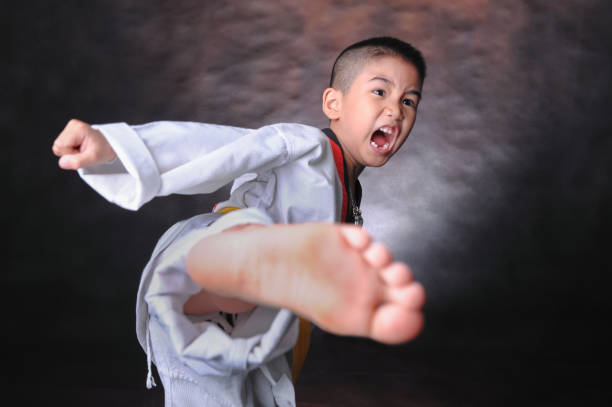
<point>384,147</point>
<point>386,130</point>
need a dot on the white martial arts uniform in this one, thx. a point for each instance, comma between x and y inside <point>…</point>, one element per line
<point>287,170</point>
<point>285,173</point>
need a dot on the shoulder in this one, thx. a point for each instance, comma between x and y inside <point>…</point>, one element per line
<point>297,129</point>
<point>299,138</point>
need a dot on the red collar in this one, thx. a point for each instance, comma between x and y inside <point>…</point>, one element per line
<point>347,213</point>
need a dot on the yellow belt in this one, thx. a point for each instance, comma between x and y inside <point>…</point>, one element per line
<point>300,350</point>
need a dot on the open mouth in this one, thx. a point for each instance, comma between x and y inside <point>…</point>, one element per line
<point>382,140</point>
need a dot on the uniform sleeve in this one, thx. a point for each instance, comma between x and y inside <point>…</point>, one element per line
<point>199,342</point>
<point>162,158</point>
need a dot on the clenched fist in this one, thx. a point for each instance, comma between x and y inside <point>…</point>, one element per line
<point>79,145</point>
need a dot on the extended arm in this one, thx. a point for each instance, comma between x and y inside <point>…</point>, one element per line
<point>162,158</point>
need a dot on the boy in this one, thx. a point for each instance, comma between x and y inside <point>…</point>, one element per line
<point>196,307</point>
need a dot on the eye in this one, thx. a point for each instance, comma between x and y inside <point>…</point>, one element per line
<point>379,92</point>
<point>409,102</point>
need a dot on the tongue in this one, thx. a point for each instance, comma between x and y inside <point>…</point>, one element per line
<point>379,138</point>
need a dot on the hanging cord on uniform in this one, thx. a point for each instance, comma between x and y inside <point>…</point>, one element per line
<point>150,381</point>
<point>282,390</point>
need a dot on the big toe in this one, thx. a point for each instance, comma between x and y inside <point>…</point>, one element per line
<point>394,324</point>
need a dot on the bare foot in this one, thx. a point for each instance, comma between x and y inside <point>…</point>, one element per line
<point>330,274</point>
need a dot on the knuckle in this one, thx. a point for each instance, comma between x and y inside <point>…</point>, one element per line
<point>76,125</point>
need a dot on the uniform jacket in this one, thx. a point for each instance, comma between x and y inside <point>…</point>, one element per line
<point>284,173</point>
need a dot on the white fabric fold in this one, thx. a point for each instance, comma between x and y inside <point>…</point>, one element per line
<point>133,178</point>
<point>258,335</point>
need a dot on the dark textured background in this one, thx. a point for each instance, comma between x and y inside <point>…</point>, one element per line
<point>500,200</point>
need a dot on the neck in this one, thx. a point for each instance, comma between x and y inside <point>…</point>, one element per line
<point>353,168</point>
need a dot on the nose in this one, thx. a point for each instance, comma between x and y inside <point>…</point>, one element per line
<point>394,110</point>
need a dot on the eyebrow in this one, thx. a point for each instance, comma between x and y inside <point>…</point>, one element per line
<point>390,83</point>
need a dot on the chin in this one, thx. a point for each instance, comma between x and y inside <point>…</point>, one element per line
<point>377,163</point>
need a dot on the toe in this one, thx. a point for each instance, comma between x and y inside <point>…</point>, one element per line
<point>396,274</point>
<point>377,255</point>
<point>411,296</point>
<point>356,237</point>
<point>392,324</point>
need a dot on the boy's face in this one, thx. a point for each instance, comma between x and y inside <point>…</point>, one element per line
<point>374,117</point>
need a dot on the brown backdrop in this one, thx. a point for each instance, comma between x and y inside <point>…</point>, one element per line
<point>499,200</point>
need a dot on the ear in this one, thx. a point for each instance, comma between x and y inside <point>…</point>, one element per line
<point>332,103</point>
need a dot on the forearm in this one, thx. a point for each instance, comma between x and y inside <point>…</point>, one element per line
<point>158,159</point>
<point>164,158</point>
<point>174,144</point>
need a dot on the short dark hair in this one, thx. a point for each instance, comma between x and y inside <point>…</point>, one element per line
<point>351,60</point>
